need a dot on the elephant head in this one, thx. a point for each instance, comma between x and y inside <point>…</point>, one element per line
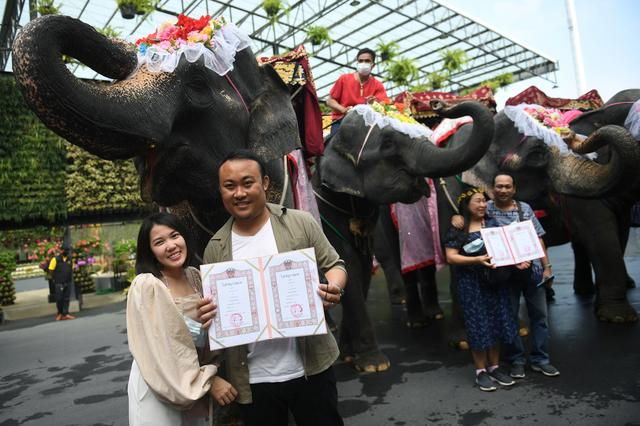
<point>614,111</point>
<point>538,168</point>
<point>178,125</point>
<point>384,165</point>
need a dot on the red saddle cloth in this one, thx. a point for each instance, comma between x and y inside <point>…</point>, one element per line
<point>533,95</point>
<point>295,71</point>
<point>419,101</point>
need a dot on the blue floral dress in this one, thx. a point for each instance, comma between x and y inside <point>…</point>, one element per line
<point>486,307</point>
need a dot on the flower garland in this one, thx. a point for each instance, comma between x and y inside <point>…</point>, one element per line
<point>214,39</point>
<point>391,115</point>
<point>546,125</point>
<point>548,117</point>
<point>396,111</point>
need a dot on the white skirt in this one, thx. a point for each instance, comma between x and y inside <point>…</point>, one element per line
<point>145,409</point>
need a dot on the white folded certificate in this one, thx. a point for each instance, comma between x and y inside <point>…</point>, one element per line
<point>264,298</point>
<point>512,244</point>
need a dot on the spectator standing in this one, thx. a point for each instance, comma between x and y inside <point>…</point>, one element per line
<point>485,304</point>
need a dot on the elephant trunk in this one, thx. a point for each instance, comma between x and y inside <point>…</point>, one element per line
<point>426,159</point>
<point>112,121</point>
<point>572,175</point>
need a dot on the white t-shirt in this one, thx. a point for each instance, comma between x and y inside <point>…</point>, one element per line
<point>276,360</point>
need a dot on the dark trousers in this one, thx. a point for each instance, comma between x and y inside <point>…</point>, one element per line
<point>63,292</point>
<point>313,401</point>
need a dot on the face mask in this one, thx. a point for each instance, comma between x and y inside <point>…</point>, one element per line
<point>363,68</point>
<point>474,246</point>
<point>197,333</point>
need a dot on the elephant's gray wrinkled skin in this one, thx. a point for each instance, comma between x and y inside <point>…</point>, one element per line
<point>570,189</point>
<point>391,169</point>
<point>613,210</point>
<point>176,125</point>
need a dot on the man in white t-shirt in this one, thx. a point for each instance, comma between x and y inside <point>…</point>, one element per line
<point>281,375</point>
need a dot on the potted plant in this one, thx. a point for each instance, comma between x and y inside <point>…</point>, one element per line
<point>318,34</point>
<point>402,71</point>
<point>129,8</point>
<point>436,80</point>
<point>46,7</point>
<point>271,7</point>
<point>387,51</point>
<point>453,60</point>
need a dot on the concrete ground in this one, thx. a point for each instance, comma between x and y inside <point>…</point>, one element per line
<point>75,372</point>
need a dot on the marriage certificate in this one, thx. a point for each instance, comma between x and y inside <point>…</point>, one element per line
<point>512,244</point>
<point>264,298</point>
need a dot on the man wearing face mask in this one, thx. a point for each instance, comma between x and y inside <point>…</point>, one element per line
<point>355,88</point>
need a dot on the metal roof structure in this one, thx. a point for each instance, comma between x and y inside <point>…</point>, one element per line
<point>422,29</point>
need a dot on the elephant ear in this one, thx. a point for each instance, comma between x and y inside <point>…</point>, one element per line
<point>338,172</point>
<point>273,128</point>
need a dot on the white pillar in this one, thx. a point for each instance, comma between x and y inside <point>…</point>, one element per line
<point>577,47</point>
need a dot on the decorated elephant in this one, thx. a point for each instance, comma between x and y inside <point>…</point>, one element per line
<point>366,165</point>
<point>177,117</point>
<point>567,187</point>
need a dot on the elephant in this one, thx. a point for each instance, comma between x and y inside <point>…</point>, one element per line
<point>616,209</point>
<point>176,125</point>
<point>568,188</point>
<point>362,168</point>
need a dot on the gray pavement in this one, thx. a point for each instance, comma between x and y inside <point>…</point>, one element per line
<point>75,372</point>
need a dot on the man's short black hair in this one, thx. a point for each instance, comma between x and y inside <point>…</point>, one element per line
<point>367,50</point>
<point>504,174</point>
<point>244,154</point>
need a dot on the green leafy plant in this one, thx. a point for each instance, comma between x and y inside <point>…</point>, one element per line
<point>47,7</point>
<point>318,34</point>
<point>495,83</point>
<point>272,7</point>
<point>453,60</point>
<point>402,71</point>
<point>110,32</point>
<point>387,51</point>
<point>129,8</point>
<point>7,287</point>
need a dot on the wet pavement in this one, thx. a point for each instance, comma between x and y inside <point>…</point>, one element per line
<point>76,372</point>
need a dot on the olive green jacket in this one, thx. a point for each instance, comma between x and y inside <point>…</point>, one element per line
<point>293,230</point>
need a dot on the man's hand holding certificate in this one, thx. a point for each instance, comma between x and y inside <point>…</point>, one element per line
<point>512,244</point>
<point>264,298</point>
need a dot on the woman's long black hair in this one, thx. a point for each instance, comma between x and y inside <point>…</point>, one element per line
<point>146,262</point>
<point>463,208</point>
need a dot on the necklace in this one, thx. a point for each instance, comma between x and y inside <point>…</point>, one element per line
<point>361,85</point>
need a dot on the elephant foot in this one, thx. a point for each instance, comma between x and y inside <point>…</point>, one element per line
<point>434,312</point>
<point>616,312</point>
<point>371,362</point>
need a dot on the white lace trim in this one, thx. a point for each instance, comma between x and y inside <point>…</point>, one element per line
<point>632,123</point>
<point>227,41</point>
<point>372,117</point>
<point>529,126</point>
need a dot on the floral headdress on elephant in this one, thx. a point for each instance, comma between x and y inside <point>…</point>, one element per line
<point>214,39</point>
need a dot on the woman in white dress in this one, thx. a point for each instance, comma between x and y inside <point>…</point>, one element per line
<point>173,373</point>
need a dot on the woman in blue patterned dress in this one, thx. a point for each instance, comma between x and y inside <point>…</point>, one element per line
<point>485,304</point>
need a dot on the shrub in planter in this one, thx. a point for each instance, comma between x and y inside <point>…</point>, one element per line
<point>402,71</point>
<point>7,287</point>
<point>46,7</point>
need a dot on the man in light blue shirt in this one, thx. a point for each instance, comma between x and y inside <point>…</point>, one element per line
<point>506,210</point>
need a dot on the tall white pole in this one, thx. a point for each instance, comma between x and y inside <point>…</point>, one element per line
<point>577,47</point>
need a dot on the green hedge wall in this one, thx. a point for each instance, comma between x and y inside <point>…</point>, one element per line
<point>46,180</point>
<point>32,163</point>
